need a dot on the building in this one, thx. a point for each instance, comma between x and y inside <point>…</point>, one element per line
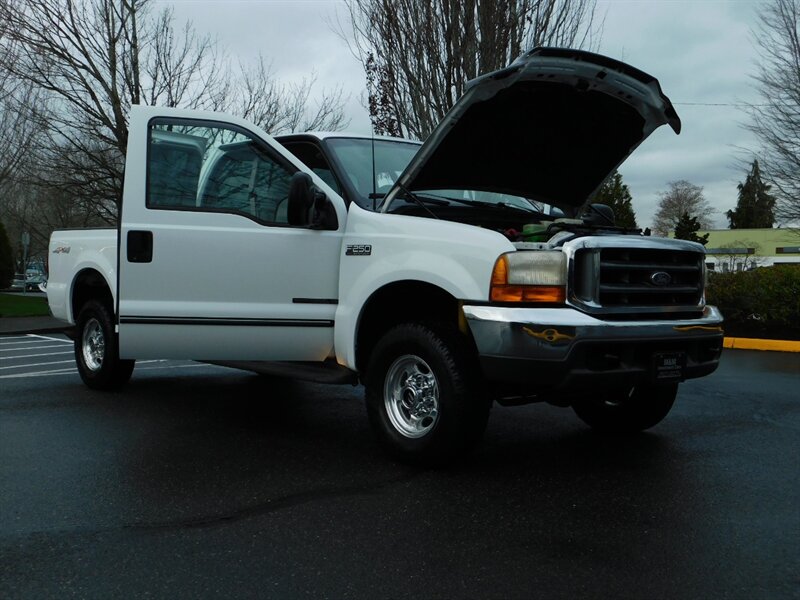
<point>746,249</point>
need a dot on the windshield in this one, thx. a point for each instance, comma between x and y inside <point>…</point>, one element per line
<point>355,157</point>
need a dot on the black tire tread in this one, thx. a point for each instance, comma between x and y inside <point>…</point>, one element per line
<point>114,372</point>
<point>464,411</point>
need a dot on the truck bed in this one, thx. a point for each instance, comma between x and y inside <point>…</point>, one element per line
<point>72,251</point>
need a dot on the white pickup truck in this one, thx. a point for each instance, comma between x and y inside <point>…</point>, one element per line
<point>444,277</point>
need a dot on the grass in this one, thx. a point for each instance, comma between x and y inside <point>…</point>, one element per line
<point>23,306</point>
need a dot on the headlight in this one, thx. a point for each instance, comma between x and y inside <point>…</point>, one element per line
<point>529,277</point>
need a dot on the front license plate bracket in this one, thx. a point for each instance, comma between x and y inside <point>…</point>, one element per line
<point>668,366</point>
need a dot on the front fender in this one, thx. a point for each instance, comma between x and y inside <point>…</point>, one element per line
<point>454,257</point>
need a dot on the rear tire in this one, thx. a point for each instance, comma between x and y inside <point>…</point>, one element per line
<point>425,398</point>
<point>97,349</point>
<point>627,411</point>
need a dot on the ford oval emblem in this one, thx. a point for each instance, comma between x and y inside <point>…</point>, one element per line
<point>660,278</point>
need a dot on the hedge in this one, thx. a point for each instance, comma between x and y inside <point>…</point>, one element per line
<point>764,302</point>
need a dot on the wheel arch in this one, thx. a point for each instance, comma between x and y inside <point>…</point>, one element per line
<point>400,302</point>
<point>89,284</point>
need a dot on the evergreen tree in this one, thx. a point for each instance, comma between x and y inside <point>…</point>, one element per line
<point>6,259</point>
<point>755,208</point>
<point>615,194</point>
<point>687,227</point>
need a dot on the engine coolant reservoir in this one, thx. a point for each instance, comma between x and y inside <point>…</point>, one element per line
<point>535,232</point>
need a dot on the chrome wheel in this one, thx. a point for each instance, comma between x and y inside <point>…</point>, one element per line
<point>411,396</point>
<point>93,345</point>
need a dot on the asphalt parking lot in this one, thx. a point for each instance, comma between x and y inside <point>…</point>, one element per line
<point>198,480</point>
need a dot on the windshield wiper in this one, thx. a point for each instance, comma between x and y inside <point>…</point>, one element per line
<point>447,200</point>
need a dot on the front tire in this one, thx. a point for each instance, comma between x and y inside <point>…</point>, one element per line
<point>425,399</point>
<point>97,351</point>
<point>629,410</point>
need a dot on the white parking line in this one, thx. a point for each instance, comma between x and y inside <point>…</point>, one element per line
<point>52,339</point>
<point>35,355</point>
<point>58,362</point>
<point>75,371</point>
<point>192,365</point>
<point>31,348</point>
<point>28,341</point>
<point>40,373</point>
<point>54,362</point>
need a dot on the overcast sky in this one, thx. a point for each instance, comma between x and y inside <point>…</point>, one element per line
<point>701,52</point>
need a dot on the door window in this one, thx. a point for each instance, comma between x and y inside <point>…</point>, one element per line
<point>215,168</point>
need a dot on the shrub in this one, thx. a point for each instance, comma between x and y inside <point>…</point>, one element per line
<point>764,301</point>
<point>6,259</point>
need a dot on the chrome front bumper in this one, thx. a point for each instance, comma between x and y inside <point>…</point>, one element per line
<point>563,347</point>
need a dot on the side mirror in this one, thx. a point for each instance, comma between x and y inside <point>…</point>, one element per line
<point>308,206</point>
<point>301,199</point>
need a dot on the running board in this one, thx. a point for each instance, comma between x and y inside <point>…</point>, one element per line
<point>318,372</point>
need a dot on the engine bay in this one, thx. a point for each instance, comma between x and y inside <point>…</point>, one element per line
<point>526,229</point>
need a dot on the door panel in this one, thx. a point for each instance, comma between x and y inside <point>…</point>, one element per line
<point>228,278</point>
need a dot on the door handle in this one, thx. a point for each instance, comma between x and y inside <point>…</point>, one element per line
<point>140,246</point>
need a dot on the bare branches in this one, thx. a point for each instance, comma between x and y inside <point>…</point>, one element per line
<point>682,198</point>
<point>183,68</point>
<point>419,54</point>
<point>776,117</point>
<point>18,130</point>
<point>327,115</point>
<point>278,108</point>
<point>96,58</point>
<point>89,61</point>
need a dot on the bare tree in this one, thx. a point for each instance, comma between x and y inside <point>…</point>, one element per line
<point>19,134</point>
<point>277,108</point>
<point>775,119</point>
<point>40,209</point>
<point>682,198</point>
<point>17,129</point>
<point>419,54</point>
<point>93,59</point>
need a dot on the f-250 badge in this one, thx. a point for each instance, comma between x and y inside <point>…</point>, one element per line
<point>358,250</point>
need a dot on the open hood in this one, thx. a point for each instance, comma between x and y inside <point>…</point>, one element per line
<point>550,127</point>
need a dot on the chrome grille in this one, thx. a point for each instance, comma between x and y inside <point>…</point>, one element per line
<point>637,279</point>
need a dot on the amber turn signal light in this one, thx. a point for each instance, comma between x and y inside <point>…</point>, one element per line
<point>528,293</point>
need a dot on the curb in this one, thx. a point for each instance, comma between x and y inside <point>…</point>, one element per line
<point>757,344</point>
